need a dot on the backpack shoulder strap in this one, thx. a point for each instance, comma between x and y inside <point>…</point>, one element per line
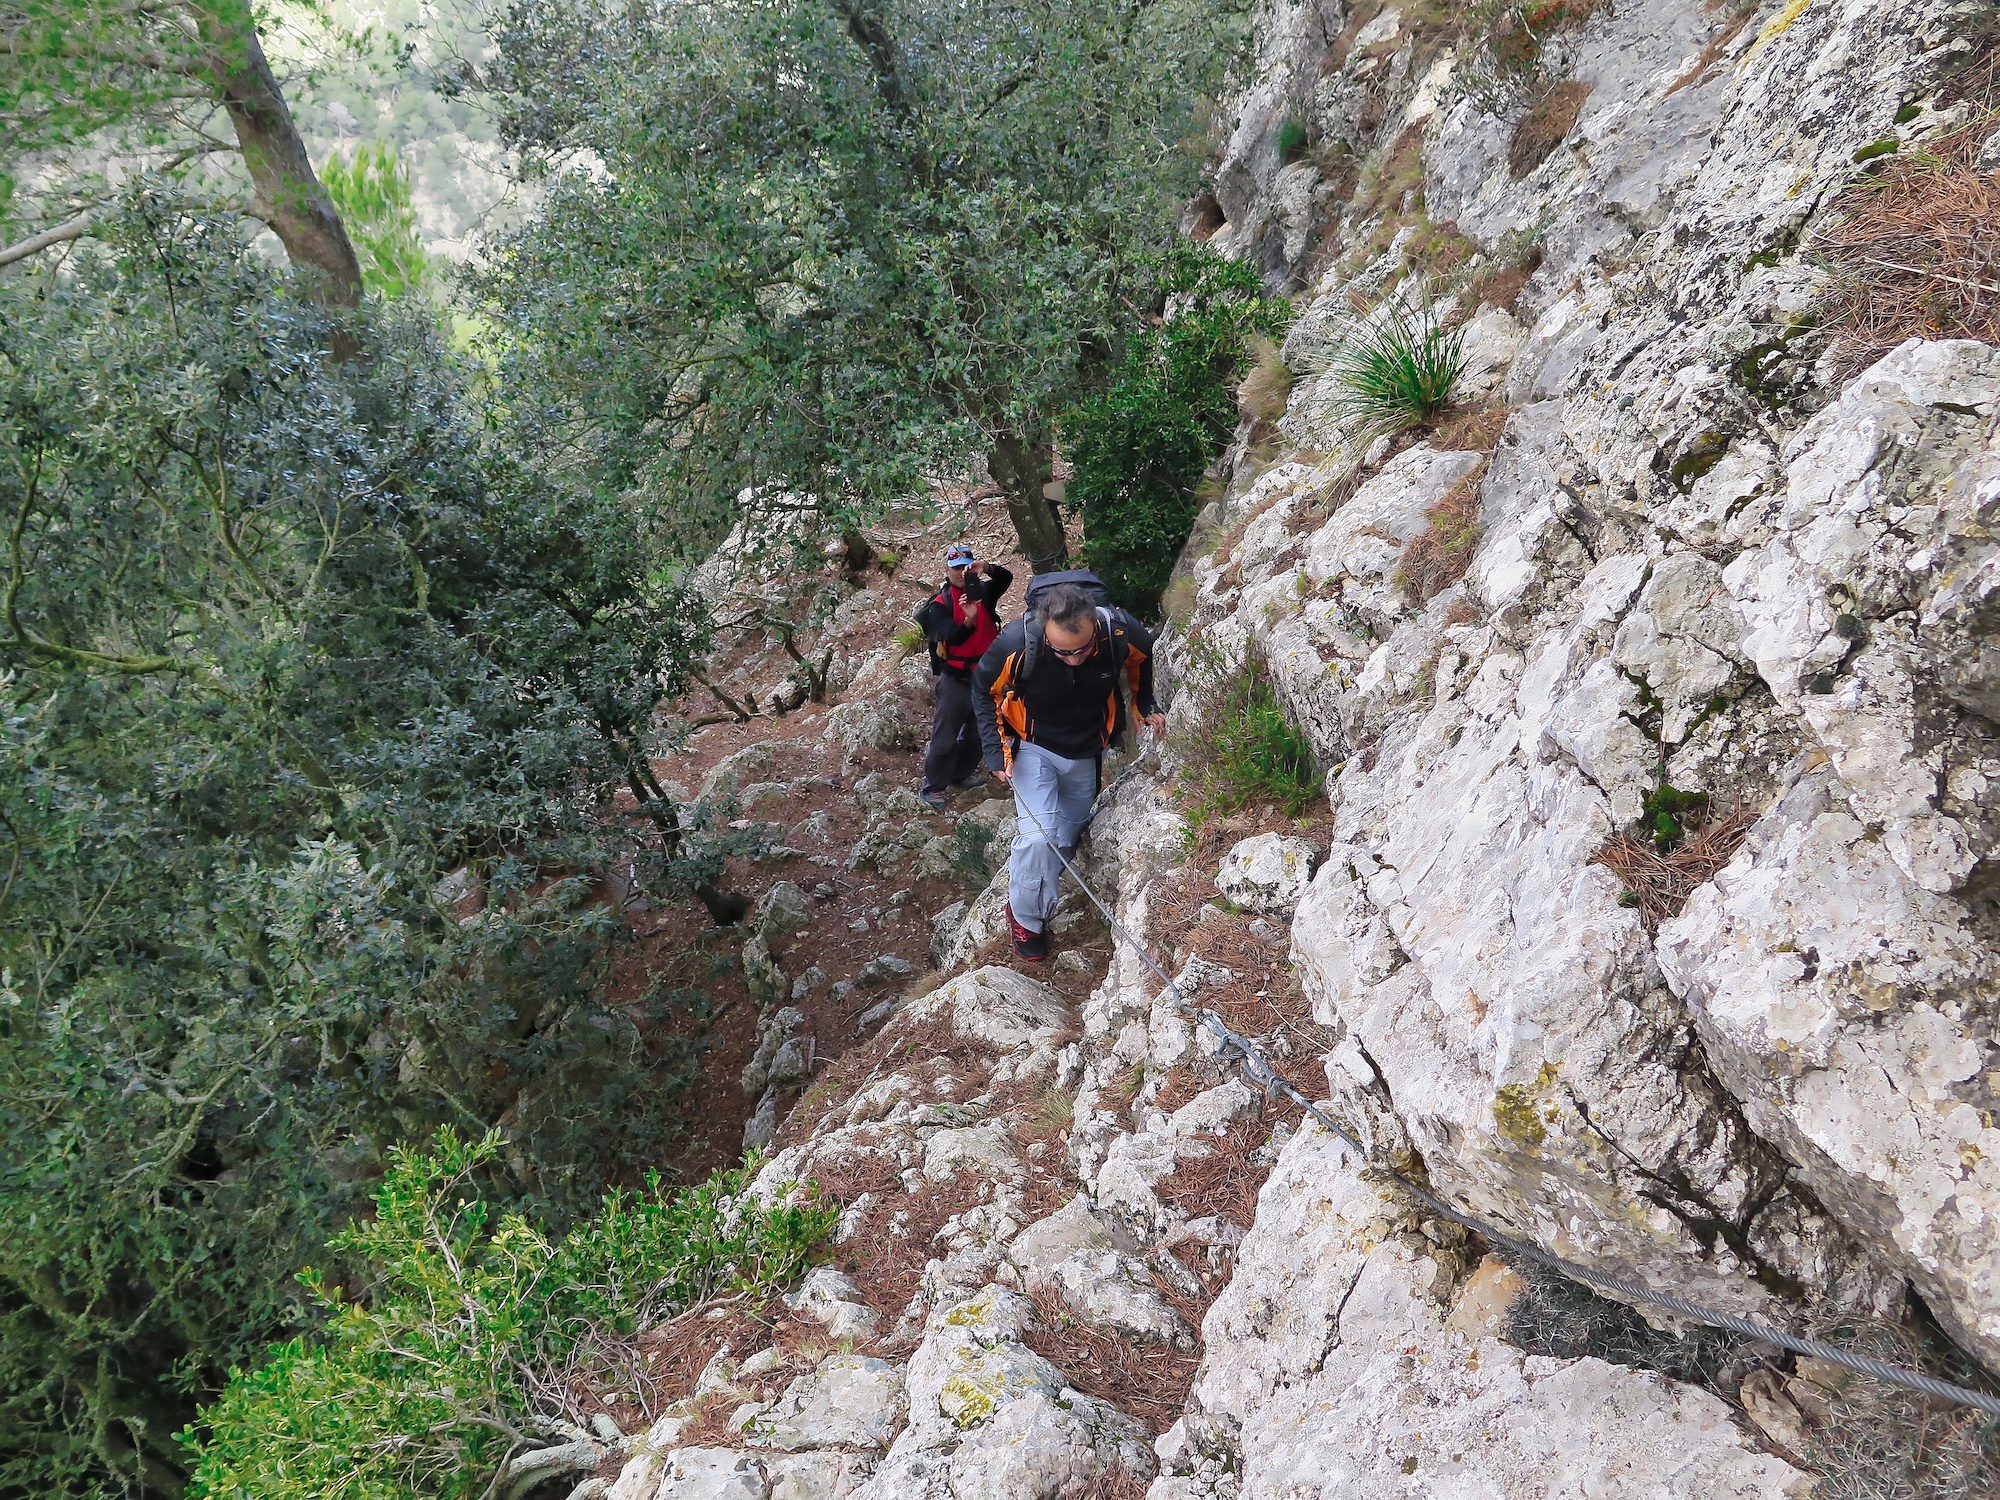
<point>1115,634</point>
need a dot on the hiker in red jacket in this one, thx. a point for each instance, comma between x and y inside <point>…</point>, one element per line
<point>959,622</point>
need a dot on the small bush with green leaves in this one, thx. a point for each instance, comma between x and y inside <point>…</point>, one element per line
<point>1139,449</point>
<point>1291,138</point>
<point>1397,368</point>
<point>1252,753</point>
<point>424,1385</point>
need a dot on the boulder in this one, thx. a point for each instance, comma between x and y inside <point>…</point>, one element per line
<point>767,982</point>
<point>712,1474</point>
<point>728,776</point>
<point>999,1007</point>
<point>886,969</point>
<point>830,1297</point>
<point>782,913</point>
<point>944,932</point>
<point>989,1419</point>
<point>849,1402</point>
<point>1267,873</point>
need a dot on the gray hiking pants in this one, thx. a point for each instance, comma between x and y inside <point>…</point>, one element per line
<point>1052,798</point>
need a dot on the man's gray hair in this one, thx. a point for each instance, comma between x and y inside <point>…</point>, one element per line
<point>1065,605</point>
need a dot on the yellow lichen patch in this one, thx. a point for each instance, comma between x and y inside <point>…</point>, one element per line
<point>1776,26</point>
<point>1517,1109</point>
<point>967,1401</point>
<point>966,1314</point>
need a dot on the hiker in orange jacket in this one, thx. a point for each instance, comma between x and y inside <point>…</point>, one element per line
<point>1048,698</point>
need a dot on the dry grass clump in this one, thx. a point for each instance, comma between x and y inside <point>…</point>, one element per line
<point>1144,1380</point>
<point>1263,395</point>
<point>1659,882</point>
<point>1545,127</point>
<point>1916,250</point>
<point>1500,285</point>
<point>1871,1441</point>
<point>1118,1483</point>
<point>1471,429</point>
<point>1438,556</point>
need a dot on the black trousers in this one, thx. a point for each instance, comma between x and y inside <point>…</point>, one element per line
<point>953,753</point>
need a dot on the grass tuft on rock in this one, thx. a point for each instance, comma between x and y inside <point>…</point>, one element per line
<point>1397,368</point>
<point>1250,753</point>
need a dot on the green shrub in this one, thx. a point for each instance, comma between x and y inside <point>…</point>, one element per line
<point>972,854</point>
<point>1398,368</point>
<point>1252,754</point>
<point>1139,448</point>
<point>376,644</point>
<point>1291,138</point>
<point>423,1386</point>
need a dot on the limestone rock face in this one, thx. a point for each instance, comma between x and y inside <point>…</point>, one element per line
<point>1267,873</point>
<point>1851,1011</point>
<point>1331,1371</point>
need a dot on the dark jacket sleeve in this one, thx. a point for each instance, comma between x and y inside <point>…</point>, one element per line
<point>998,581</point>
<point>984,709</point>
<point>1139,652</point>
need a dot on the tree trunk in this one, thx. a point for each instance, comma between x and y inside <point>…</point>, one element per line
<point>1018,472</point>
<point>288,193</point>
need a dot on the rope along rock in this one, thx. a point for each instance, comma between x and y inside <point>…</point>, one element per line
<point>1257,1069</point>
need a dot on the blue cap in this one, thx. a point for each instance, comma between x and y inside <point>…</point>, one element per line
<point>957,555</point>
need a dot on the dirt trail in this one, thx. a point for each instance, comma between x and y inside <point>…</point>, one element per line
<point>858,915</point>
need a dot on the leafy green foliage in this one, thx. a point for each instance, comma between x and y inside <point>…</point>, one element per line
<point>1139,449</point>
<point>834,249</point>
<point>315,689</point>
<point>1398,368</point>
<point>1251,753</point>
<point>418,1389</point>
<point>1668,810</point>
<point>1291,138</point>
<point>372,194</point>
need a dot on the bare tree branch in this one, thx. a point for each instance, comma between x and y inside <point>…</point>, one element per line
<point>35,244</point>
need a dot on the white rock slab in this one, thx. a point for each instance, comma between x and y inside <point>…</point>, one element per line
<point>1267,873</point>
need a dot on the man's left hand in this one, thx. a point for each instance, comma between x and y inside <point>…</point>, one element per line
<point>1155,722</point>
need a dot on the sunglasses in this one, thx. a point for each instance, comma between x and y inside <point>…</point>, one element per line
<point>1074,653</point>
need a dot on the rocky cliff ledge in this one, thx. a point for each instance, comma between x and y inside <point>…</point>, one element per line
<point>1713,566</point>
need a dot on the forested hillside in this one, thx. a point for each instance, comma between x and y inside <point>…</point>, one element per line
<point>337,661</point>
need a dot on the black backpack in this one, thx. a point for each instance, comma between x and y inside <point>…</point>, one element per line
<point>1100,598</point>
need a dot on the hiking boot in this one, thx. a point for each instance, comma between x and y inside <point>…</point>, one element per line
<point>935,801</point>
<point>1031,946</point>
<point>973,782</point>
